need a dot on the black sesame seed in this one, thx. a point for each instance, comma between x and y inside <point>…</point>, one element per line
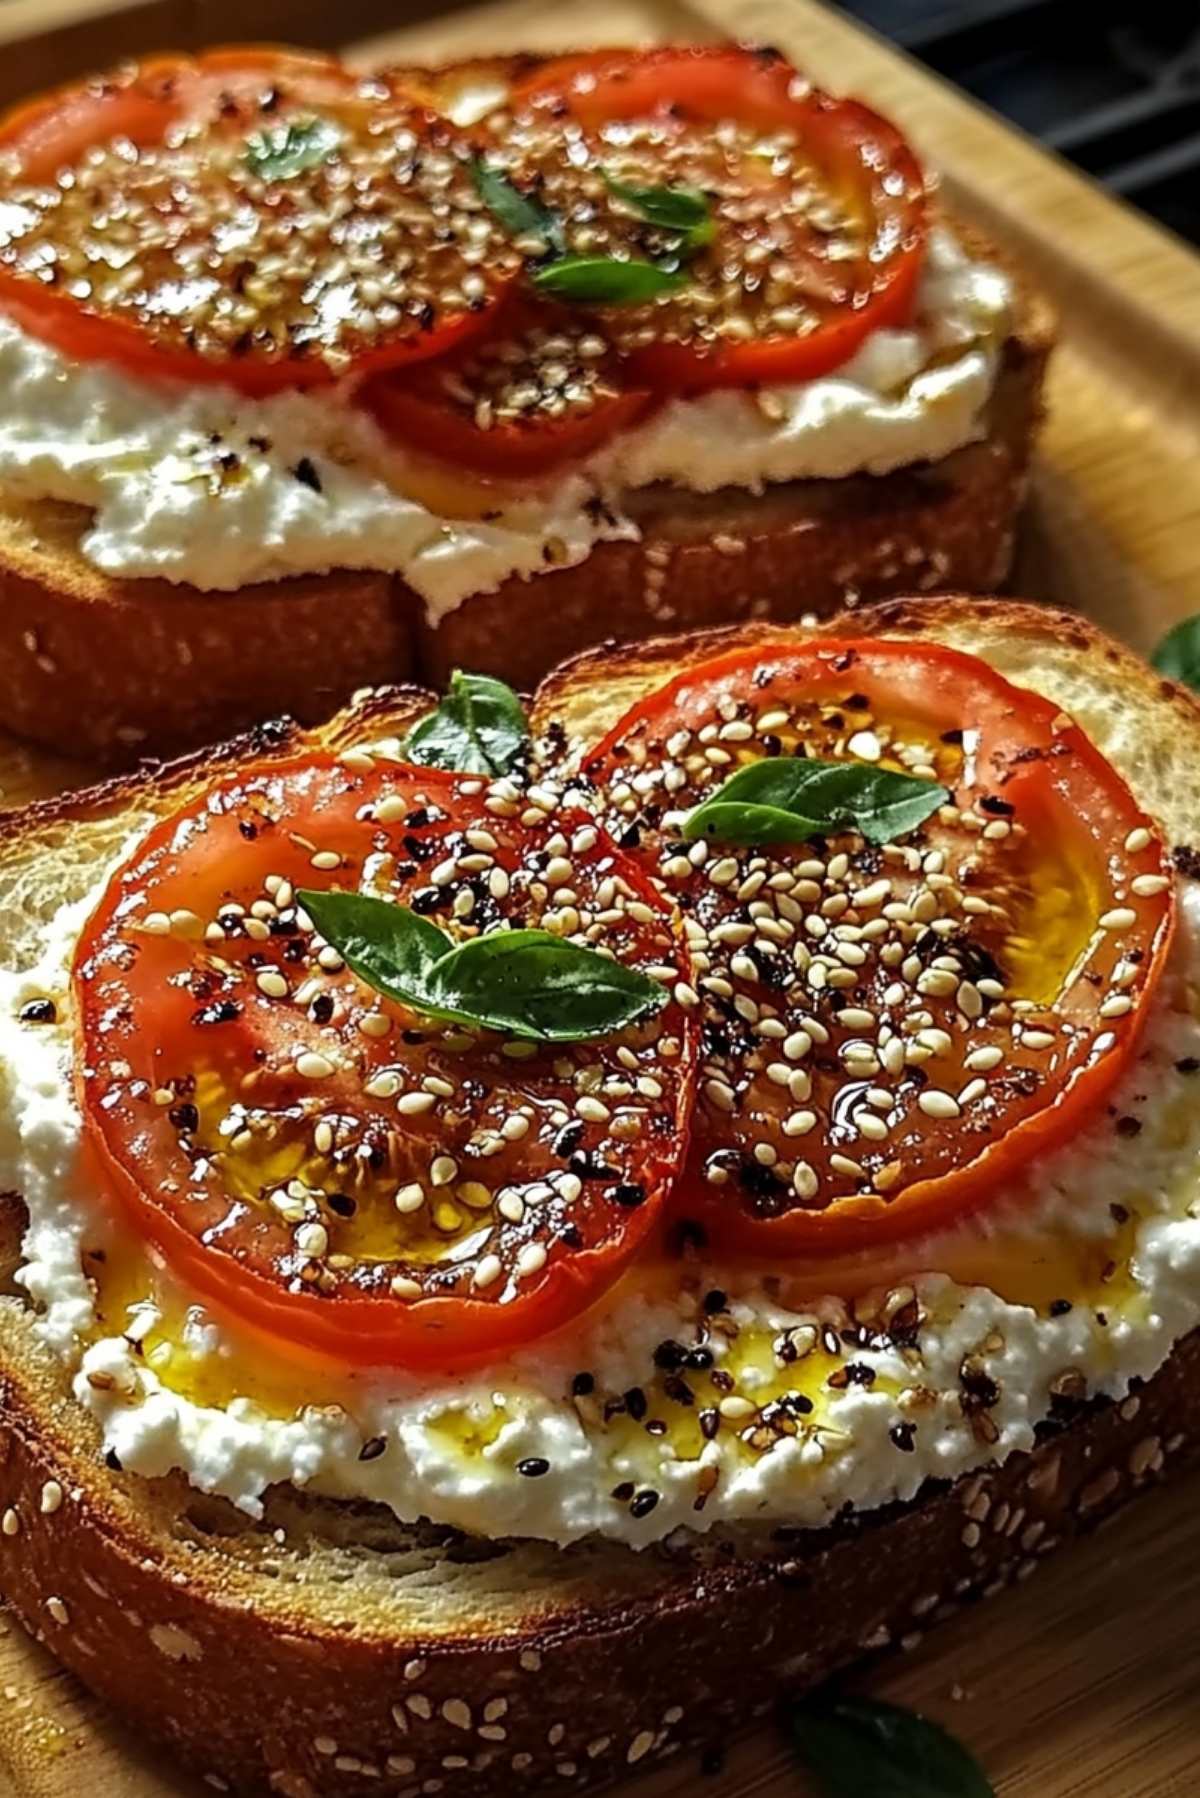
<point>342,1203</point>
<point>569,1139</point>
<point>533,1467</point>
<point>39,1011</point>
<point>1129,1126</point>
<point>372,1448</point>
<point>636,1403</point>
<point>669,1356</point>
<point>629,1194</point>
<point>901,1435</point>
<point>583,1384</point>
<point>644,1503</point>
<point>184,1117</point>
<point>710,1423</point>
<point>1060,1307</point>
<point>715,1301</point>
<point>624,1492</point>
<point>321,1009</point>
<point>306,473</point>
<point>113,1460</point>
<point>1188,1064</point>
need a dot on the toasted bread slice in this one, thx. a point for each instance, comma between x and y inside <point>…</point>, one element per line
<point>110,668</point>
<point>387,1656</point>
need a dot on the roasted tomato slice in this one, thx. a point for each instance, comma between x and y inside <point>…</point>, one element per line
<point>334,1169</point>
<point>816,208</point>
<point>543,389</point>
<point>892,1031</point>
<point>255,217</point>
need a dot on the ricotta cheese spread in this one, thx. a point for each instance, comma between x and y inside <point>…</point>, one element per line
<point>1093,1273</point>
<point>203,485</point>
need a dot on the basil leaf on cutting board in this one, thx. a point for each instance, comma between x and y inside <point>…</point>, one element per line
<point>861,1748</point>
<point>284,151</point>
<point>1178,654</point>
<point>791,799</point>
<point>527,983</point>
<point>479,728</point>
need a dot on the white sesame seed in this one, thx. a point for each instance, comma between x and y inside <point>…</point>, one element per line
<point>312,1240</point>
<point>487,1273</point>
<point>854,1018</point>
<point>531,1259</point>
<point>1147,885</point>
<point>11,1522</point>
<point>938,1104</point>
<point>974,1089</point>
<point>1117,1006</point>
<point>272,983</point>
<point>52,1497</point>
<point>58,1611</point>
<point>326,860</point>
<point>982,1060</point>
<point>415,1104</point>
<point>866,745</point>
<point>156,923</point>
<point>1122,917</point>
<point>1038,1039</point>
<point>804,1180</point>
<point>384,1085</point>
<point>311,1066</point>
<point>735,1408</point>
<point>410,1197</point>
<point>1138,839</point>
<point>799,1123</point>
<point>443,1170</point>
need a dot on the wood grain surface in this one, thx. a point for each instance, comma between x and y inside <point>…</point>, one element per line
<point>1085,1682</point>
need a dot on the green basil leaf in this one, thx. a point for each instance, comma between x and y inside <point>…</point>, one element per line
<point>521,214</point>
<point>479,728</point>
<point>604,281</point>
<point>684,210</point>
<point>790,799</point>
<point>524,982</point>
<point>859,1748</point>
<point>532,984</point>
<point>287,150</point>
<point>1178,655</point>
<point>389,946</point>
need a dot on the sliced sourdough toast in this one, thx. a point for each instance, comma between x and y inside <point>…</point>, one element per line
<point>110,668</point>
<point>407,1658</point>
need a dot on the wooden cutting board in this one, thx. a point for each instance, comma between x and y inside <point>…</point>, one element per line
<point>1085,1682</point>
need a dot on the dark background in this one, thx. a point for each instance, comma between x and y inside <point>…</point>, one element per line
<point>1113,86</point>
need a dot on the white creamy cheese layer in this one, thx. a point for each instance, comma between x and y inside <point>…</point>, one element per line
<point>199,484</point>
<point>452,1448</point>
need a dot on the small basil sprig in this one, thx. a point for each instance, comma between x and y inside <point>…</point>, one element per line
<point>1178,654</point>
<point>597,280</point>
<point>287,150</point>
<point>682,210</point>
<point>527,983</point>
<point>479,728</point>
<point>790,799</point>
<point>605,280</point>
<point>860,1748</point>
<point>521,214</point>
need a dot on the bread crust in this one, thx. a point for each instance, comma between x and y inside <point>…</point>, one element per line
<point>108,669</point>
<point>580,1664</point>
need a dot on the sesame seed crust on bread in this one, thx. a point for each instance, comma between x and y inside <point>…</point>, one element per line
<point>109,668</point>
<point>386,1655</point>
